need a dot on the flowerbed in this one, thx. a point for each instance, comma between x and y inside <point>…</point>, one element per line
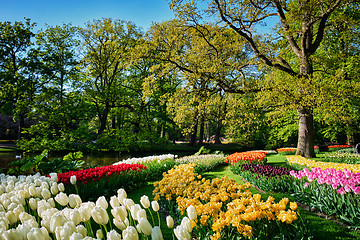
<point>331,191</point>
<point>203,162</point>
<point>299,160</point>
<point>148,159</point>
<point>35,207</point>
<point>226,209</point>
<point>94,182</point>
<point>246,157</point>
<point>286,151</point>
<point>266,177</point>
<point>350,158</point>
<point>338,147</point>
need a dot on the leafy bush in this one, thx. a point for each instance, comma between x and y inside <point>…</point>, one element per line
<point>338,157</point>
<point>42,164</point>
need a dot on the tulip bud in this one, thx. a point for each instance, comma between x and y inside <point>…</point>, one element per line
<point>101,202</point>
<point>145,202</point>
<point>155,205</point>
<point>187,224</point>
<point>76,236</point>
<point>113,235</point>
<point>99,234</point>
<point>38,234</point>
<point>100,215</point>
<point>74,200</point>
<point>75,217</point>
<point>169,221</point>
<point>81,229</point>
<point>24,194</point>
<point>134,211</point>
<point>73,180</point>
<point>62,199</point>
<point>11,217</point>
<point>120,225</point>
<point>130,233</point>
<point>54,177</point>
<point>119,213</point>
<point>32,190</point>
<point>11,234</point>
<point>33,203</point>
<point>191,212</point>
<point>56,221</point>
<point>51,201</point>
<point>61,187</point>
<point>182,233</point>
<point>145,226</point>
<point>156,234</point>
<point>114,202</point>
<point>141,213</point>
<point>45,193</point>
<point>121,195</point>
<point>54,189</point>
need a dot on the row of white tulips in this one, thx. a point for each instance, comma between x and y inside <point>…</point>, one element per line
<point>36,208</point>
<point>148,159</point>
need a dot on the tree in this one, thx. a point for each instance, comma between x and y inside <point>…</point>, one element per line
<point>302,26</point>
<point>106,47</point>
<point>206,63</point>
<point>16,84</point>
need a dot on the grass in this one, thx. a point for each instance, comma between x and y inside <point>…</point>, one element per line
<point>323,229</point>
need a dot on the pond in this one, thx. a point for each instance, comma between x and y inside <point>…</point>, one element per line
<point>90,160</point>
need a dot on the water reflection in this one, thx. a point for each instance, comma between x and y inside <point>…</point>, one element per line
<point>91,160</point>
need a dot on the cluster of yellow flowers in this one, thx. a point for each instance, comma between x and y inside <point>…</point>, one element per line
<point>323,165</point>
<point>220,202</point>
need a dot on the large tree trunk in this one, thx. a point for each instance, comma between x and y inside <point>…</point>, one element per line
<point>305,146</point>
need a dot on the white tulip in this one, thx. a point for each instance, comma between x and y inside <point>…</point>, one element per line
<point>54,177</point>
<point>62,199</point>
<point>128,203</point>
<point>99,234</point>
<point>45,193</point>
<point>81,229</point>
<point>191,212</point>
<point>141,213</point>
<point>122,195</point>
<point>56,221</point>
<point>156,234</point>
<point>51,201</point>
<point>155,205</point>
<point>76,236</point>
<point>38,234</point>
<point>61,187</point>
<point>181,233</point>
<point>54,189</point>
<point>45,185</point>
<point>23,229</point>
<point>130,233</point>
<point>114,202</point>
<point>169,221</point>
<point>75,217</point>
<point>145,202</point>
<point>11,234</point>
<point>37,182</point>
<point>134,211</point>
<point>24,216</point>
<point>187,224</point>
<point>119,213</point>
<point>145,226</point>
<point>100,215</point>
<point>11,217</point>
<point>119,224</point>
<point>113,235</point>
<point>73,180</point>
<point>24,194</point>
<point>101,202</point>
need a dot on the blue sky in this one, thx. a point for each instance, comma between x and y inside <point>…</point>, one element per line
<point>77,12</point>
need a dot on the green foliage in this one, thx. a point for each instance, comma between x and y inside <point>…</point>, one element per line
<point>41,163</point>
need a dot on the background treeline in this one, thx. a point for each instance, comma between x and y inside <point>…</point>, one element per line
<point>110,86</point>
